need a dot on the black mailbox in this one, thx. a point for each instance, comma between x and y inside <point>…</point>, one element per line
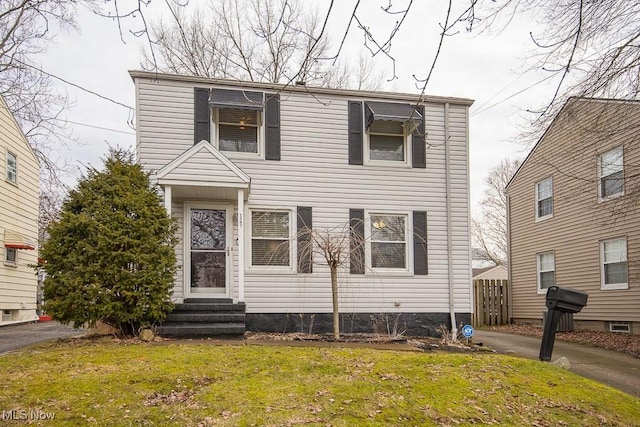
<point>566,300</point>
<point>559,300</point>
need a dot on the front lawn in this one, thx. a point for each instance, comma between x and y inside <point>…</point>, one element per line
<point>107,382</point>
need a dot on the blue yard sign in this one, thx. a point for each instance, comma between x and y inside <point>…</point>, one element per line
<point>467,331</point>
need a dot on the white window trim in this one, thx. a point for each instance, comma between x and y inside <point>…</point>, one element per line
<point>613,286</point>
<point>538,271</point>
<point>408,244</point>
<point>542,218</point>
<point>6,175</point>
<point>6,261</point>
<point>238,154</point>
<point>599,159</point>
<point>389,163</point>
<point>293,247</point>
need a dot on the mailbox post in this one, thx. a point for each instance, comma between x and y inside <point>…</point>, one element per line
<point>558,300</point>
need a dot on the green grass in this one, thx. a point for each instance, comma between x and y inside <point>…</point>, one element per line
<point>107,382</point>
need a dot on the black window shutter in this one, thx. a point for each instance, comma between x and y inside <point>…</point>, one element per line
<point>356,226</point>
<point>201,115</point>
<point>305,252</point>
<point>355,133</point>
<point>418,145</point>
<point>420,264</point>
<point>272,120</point>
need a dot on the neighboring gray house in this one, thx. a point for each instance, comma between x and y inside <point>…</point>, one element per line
<point>245,165</point>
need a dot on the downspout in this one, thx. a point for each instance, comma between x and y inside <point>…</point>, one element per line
<point>452,312</point>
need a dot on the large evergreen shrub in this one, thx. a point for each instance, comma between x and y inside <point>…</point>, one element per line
<point>110,257</point>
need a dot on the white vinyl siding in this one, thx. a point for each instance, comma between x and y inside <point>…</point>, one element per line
<point>544,199</point>
<point>546,270</point>
<point>614,264</point>
<point>314,171</point>
<point>611,174</point>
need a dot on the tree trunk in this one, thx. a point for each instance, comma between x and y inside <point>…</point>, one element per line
<point>336,312</point>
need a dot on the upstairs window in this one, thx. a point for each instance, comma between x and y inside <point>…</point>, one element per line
<point>270,241</point>
<point>546,270</point>
<point>614,264</point>
<point>544,198</point>
<point>238,130</point>
<point>387,141</point>
<point>611,174</point>
<point>12,167</point>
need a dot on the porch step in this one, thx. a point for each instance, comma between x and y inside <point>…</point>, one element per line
<point>200,329</point>
<point>204,318</point>
<point>207,317</point>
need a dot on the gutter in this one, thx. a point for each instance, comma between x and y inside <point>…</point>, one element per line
<point>452,312</point>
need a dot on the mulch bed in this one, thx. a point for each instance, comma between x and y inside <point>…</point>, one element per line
<point>624,343</point>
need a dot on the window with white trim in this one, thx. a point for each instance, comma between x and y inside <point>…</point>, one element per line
<point>10,256</point>
<point>613,254</point>
<point>611,174</point>
<point>270,238</point>
<point>388,141</point>
<point>12,167</point>
<point>544,198</point>
<point>388,241</point>
<point>238,130</point>
<point>546,270</point>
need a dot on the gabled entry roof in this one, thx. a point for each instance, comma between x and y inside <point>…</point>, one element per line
<point>203,165</point>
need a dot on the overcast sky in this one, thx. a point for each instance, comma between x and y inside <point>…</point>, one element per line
<point>489,68</point>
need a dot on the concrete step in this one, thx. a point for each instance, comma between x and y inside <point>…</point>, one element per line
<point>209,307</point>
<point>208,300</point>
<point>198,329</point>
<point>204,317</point>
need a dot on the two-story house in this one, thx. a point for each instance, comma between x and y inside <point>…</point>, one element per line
<point>573,215</point>
<point>18,221</point>
<point>245,166</point>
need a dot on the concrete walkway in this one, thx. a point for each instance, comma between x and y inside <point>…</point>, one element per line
<point>13,337</point>
<point>608,367</point>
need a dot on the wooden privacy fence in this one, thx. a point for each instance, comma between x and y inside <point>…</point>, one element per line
<point>491,298</point>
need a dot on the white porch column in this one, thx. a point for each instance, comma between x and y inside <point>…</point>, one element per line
<point>240,245</point>
<point>167,198</point>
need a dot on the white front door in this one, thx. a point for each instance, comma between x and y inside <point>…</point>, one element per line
<point>207,249</point>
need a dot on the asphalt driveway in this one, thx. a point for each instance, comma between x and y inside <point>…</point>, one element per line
<point>13,337</point>
<point>612,368</point>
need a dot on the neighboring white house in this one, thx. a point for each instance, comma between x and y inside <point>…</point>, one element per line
<point>496,272</point>
<point>18,221</point>
<point>245,165</point>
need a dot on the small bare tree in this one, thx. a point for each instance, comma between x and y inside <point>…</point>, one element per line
<point>489,228</point>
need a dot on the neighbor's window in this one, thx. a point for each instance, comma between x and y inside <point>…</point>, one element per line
<point>238,130</point>
<point>388,236</point>
<point>387,141</point>
<point>270,242</point>
<point>611,173</point>
<point>546,270</point>
<point>544,198</point>
<point>614,263</point>
<point>12,167</point>
<point>10,255</point>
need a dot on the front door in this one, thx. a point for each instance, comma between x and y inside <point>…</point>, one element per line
<point>208,252</point>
